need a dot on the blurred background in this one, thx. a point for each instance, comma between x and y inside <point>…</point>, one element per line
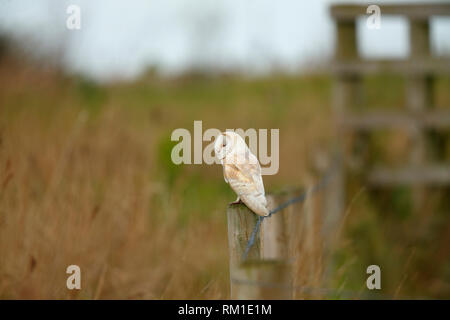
<point>86,115</point>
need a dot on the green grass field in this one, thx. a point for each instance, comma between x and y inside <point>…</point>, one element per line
<point>86,178</point>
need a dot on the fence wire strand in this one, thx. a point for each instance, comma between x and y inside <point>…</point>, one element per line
<point>305,289</point>
<point>316,188</point>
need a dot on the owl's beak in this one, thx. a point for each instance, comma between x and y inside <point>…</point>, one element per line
<point>218,149</point>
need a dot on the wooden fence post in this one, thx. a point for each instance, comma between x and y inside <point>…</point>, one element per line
<point>418,99</point>
<point>347,95</point>
<point>258,278</point>
<point>241,222</point>
<point>424,127</point>
<point>274,238</point>
<point>262,280</point>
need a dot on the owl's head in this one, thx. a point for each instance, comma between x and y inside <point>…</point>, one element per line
<point>228,142</point>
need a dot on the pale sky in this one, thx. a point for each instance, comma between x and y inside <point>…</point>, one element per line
<point>124,37</point>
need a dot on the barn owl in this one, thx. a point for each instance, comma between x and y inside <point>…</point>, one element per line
<point>241,170</point>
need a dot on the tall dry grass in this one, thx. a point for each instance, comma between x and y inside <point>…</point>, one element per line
<point>74,192</point>
<point>86,179</point>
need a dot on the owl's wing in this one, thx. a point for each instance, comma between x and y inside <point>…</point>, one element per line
<point>254,169</point>
<point>245,179</point>
<point>224,175</point>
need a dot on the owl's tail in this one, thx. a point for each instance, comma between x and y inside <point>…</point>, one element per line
<point>257,204</point>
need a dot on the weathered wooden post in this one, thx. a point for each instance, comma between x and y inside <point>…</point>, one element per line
<point>347,95</point>
<point>422,168</point>
<point>418,98</point>
<point>274,238</point>
<point>266,273</point>
<point>419,70</point>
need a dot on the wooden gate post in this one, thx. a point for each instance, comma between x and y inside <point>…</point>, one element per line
<point>418,99</point>
<point>257,278</point>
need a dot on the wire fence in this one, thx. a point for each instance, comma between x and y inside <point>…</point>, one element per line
<point>316,188</point>
<point>307,291</point>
